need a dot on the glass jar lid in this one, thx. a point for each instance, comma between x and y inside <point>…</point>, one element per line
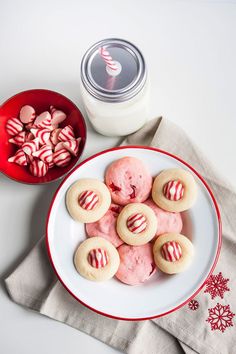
<point>105,87</point>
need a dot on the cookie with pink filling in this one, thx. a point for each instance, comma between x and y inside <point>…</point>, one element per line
<point>106,226</point>
<point>128,180</point>
<point>167,221</point>
<point>136,264</point>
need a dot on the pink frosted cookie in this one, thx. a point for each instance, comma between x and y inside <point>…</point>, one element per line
<point>106,226</point>
<point>136,264</point>
<point>167,221</point>
<point>128,180</point>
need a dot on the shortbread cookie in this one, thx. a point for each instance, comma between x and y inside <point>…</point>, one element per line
<point>173,253</point>
<point>128,180</point>
<point>136,264</point>
<point>96,259</point>
<point>167,221</point>
<point>136,224</point>
<point>174,190</point>
<point>106,226</point>
<point>87,200</point>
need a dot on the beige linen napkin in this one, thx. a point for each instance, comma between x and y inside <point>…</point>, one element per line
<point>205,325</point>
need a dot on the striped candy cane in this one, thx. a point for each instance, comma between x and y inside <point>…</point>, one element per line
<point>113,67</point>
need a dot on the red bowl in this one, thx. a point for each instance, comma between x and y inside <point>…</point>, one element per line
<point>40,100</point>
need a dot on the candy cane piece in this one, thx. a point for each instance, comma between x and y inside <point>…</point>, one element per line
<point>43,120</point>
<point>72,146</point>
<point>30,146</point>
<point>19,158</point>
<point>61,158</point>
<point>44,154</point>
<point>67,133</point>
<point>42,134</point>
<point>19,139</point>
<point>38,168</point>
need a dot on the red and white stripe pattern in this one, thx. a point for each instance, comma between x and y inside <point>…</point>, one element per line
<point>61,158</point>
<point>105,55</point>
<point>38,168</point>
<point>137,223</point>
<point>14,126</point>
<point>44,154</point>
<point>19,158</point>
<point>72,146</point>
<point>30,146</point>
<point>27,114</point>
<point>42,134</point>
<point>66,134</point>
<point>51,164</point>
<point>19,139</point>
<point>171,251</point>
<point>43,120</point>
<point>29,158</point>
<point>98,258</point>
<point>173,190</point>
<point>88,200</point>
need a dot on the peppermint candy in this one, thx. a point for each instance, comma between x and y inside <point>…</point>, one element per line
<point>30,146</point>
<point>19,139</point>
<point>72,146</point>
<point>98,258</point>
<point>19,158</point>
<point>14,126</point>
<point>42,134</point>
<point>57,116</point>
<point>44,154</point>
<point>171,251</point>
<point>66,134</point>
<point>38,168</point>
<point>173,190</point>
<point>43,120</point>
<point>137,223</point>
<point>27,114</point>
<point>88,200</point>
<point>61,158</point>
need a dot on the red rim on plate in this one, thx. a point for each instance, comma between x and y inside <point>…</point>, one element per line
<point>219,232</point>
<point>41,100</point>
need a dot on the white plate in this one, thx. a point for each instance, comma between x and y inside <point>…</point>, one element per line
<point>162,293</point>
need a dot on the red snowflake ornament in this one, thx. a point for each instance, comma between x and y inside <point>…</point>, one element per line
<point>220,317</point>
<point>216,285</point>
<point>193,305</point>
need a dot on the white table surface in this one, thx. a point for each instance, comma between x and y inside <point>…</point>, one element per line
<point>190,49</point>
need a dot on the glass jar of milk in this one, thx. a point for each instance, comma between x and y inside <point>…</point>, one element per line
<point>115,105</point>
